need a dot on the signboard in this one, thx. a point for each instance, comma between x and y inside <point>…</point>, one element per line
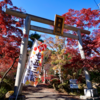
<point>58,25</point>
<point>73,81</point>
<point>74,86</point>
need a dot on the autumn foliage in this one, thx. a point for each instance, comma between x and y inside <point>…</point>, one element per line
<point>10,35</point>
<point>89,20</point>
<point>85,19</point>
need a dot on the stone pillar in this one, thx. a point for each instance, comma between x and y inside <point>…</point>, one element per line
<point>22,57</point>
<point>87,76</point>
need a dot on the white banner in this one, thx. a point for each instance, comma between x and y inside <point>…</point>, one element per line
<point>33,67</point>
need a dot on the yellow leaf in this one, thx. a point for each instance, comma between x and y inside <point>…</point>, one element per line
<point>34,52</point>
<point>27,82</point>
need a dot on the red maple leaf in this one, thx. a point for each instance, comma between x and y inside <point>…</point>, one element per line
<point>35,48</point>
<point>25,36</point>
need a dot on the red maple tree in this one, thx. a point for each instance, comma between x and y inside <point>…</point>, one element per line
<point>85,19</point>
<point>10,35</point>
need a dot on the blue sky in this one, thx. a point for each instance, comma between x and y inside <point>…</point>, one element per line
<point>48,8</point>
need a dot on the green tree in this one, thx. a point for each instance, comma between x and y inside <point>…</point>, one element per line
<point>32,38</point>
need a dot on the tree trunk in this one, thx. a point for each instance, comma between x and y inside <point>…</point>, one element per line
<point>8,71</point>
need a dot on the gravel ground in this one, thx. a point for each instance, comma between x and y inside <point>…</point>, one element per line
<point>42,92</point>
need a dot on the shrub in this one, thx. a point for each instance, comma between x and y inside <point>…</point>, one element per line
<point>98,89</point>
<point>3,91</point>
<point>55,82</point>
<point>95,76</point>
<point>5,86</point>
<point>64,86</point>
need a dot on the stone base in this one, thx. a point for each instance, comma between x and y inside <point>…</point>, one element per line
<point>89,98</point>
<point>90,92</point>
<point>20,97</point>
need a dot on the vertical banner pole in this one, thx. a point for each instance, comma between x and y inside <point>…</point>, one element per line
<point>44,75</point>
<point>22,57</point>
<point>60,75</point>
<point>87,76</point>
<point>54,72</point>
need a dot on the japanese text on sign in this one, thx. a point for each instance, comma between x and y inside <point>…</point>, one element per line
<point>58,25</point>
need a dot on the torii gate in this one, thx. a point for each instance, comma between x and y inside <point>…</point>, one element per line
<point>23,49</point>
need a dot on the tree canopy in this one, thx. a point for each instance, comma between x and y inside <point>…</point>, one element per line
<point>10,35</point>
<point>90,20</point>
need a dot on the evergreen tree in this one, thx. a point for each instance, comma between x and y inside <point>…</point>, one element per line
<point>32,38</point>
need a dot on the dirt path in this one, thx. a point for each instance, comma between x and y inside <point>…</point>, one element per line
<point>42,92</point>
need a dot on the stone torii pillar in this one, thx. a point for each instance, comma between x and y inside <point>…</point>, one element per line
<point>89,92</point>
<point>87,76</point>
<point>22,57</point>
